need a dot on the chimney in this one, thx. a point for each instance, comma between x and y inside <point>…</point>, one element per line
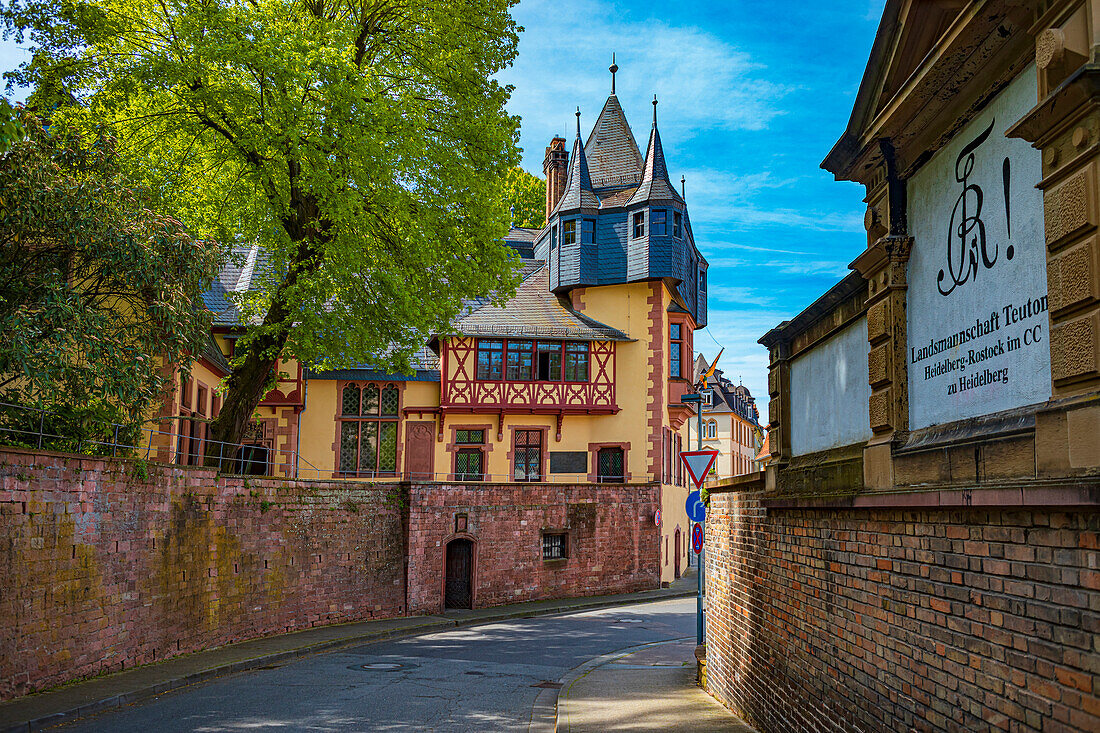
<point>555,166</point>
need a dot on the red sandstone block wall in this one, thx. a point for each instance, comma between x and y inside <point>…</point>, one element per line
<point>106,564</point>
<point>904,620</point>
<point>612,540</point>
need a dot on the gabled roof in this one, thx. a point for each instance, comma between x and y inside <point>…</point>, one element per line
<point>612,151</point>
<point>535,312</point>
<point>240,274</point>
<point>655,185</point>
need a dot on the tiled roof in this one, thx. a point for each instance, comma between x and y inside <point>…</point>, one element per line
<point>611,149</point>
<point>535,312</point>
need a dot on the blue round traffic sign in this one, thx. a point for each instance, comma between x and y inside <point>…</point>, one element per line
<point>697,511</point>
<point>697,538</point>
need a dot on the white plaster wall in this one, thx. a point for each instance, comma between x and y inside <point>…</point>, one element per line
<point>996,381</point>
<point>829,392</point>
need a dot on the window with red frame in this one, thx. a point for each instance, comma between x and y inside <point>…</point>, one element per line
<point>527,456</point>
<point>675,349</point>
<point>521,360</point>
<point>368,429</point>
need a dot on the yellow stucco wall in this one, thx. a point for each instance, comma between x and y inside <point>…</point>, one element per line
<point>629,308</point>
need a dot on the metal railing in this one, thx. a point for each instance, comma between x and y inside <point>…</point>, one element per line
<point>184,443</point>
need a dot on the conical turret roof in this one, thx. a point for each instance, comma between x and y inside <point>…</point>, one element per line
<point>578,187</point>
<point>655,185</point>
<point>611,148</point>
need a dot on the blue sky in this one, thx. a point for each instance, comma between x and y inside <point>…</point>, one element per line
<point>753,94</point>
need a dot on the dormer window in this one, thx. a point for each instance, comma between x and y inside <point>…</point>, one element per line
<point>639,224</point>
<point>569,231</point>
<point>657,223</point>
<point>677,225</point>
<point>588,231</point>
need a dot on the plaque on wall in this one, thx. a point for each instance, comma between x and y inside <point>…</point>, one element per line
<point>977,296</point>
<point>568,461</point>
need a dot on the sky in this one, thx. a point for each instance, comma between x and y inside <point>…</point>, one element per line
<point>752,94</point>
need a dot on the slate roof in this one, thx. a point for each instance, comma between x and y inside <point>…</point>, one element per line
<point>578,192</point>
<point>522,240</point>
<point>425,363</point>
<point>612,151</point>
<point>213,354</point>
<point>535,312</point>
<point>239,275</point>
<point>655,185</point>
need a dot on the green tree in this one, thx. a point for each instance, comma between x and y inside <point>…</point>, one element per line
<point>363,143</point>
<point>97,292</point>
<point>527,193</point>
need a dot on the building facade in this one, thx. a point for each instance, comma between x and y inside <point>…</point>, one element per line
<point>730,425</point>
<point>920,551</point>
<point>577,379</point>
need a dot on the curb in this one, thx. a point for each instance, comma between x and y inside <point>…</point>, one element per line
<point>144,693</point>
<point>545,706</point>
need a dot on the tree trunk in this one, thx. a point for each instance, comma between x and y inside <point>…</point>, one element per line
<point>247,384</point>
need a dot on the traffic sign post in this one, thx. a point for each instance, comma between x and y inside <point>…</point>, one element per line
<point>698,464</point>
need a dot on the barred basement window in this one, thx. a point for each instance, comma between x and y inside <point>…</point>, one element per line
<point>554,547</point>
<point>368,430</point>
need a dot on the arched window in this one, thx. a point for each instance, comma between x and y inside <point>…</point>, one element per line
<point>368,429</point>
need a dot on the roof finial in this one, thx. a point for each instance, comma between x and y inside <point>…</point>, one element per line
<point>578,121</point>
<point>512,212</point>
<point>654,110</point>
<point>682,189</point>
<point>613,68</point>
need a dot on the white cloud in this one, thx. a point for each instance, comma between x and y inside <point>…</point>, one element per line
<point>702,82</point>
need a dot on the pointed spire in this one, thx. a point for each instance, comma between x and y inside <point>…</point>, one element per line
<point>613,68</point>
<point>578,187</point>
<point>655,184</point>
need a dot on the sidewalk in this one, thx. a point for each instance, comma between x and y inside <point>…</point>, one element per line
<point>651,688</point>
<point>101,693</point>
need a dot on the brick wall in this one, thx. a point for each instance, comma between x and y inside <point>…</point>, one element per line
<point>904,619</point>
<point>109,564</point>
<point>612,546</point>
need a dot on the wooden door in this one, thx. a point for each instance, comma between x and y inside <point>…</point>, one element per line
<point>679,548</point>
<point>458,589</point>
<point>419,451</point>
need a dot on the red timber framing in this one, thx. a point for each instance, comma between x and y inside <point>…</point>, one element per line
<point>462,392</point>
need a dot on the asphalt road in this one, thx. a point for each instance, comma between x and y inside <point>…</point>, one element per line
<point>480,678</point>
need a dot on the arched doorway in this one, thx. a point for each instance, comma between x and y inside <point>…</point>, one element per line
<point>458,587</point>
<point>679,551</point>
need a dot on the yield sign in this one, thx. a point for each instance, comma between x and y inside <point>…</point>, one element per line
<point>698,463</point>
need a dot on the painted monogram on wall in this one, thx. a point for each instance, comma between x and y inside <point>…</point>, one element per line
<point>966,237</point>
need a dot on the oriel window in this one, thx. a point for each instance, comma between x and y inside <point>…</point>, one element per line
<point>677,225</point>
<point>675,349</point>
<point>639,224</point>
<point>657,220</point>
<point>588,231</point>
<point>569,231</point>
